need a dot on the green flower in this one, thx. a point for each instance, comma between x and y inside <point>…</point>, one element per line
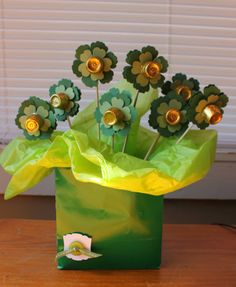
<point>64,96</point>
<point>169,115</point>
<point>145,69</point>
<point>35,117</point>
<point>94,63</point>
<point>115,113</point>
<point>183,86</point>
<point>207,108</point>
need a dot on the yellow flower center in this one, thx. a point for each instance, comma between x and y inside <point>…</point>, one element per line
<point>113,116</point>
<point>212,114</point>
<point>151,69</point>
<point>173,117</point>
<point>75,246</point>
<point>33,123</point>
<point>94,65</point>
<point>184,91</point>
<point>60,101</point>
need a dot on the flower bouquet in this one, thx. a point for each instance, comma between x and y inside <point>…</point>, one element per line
<point>111,173</point>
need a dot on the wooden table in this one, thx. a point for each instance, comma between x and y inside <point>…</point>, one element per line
<point>193,255</point>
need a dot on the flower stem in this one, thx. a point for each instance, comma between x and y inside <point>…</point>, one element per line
<point>69,122</point>
<point>125,143</point>
<point>152,146</point>
<point>126,138</point>
<point>183,135</point>
<point>113,142</point>
<point>97,98</point>
<point>136,99</point>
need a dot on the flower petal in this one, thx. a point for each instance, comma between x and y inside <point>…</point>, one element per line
<point>59,112</point>
<point>145,57</point>
<point>42,112</point>
<point>174,104</point>
<point>98,52</point>
<point>201,105</point>
<point>136,68</point>
<point>212,99</point>
<point>142,80</point>
<point>83,70</point>
<point>127,113</point>
<point>163,108</point>
<point>104,107</point>
<point>156,79</point>
<point>119,126</point>
<point>60,89</point>
<point>107,64</point>
<point>22,121</point>
<point>174,128</point>
<point>117,103</point>
<point>199,118</point>
<point>70,93</point>
<point>70,106</point>
<point>162,122</point>
<point>85,55</point>
<point>29,110</point>
<point>46,125</point>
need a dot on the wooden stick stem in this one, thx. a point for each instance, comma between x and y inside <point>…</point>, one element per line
<point>152,146</point>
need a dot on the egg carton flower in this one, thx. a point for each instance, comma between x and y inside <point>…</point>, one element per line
<point>207,108</point>
<point>183,86</point>
<point>94,63</point>
<point>169,115</point>
<point>115,113</point>
<point>145,69</point>
<point>36,118</point>
<point>63,97</point>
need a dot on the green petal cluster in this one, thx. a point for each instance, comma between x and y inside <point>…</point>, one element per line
<point>121,101</point>
<point>37,107</point>
<point>66,86</point>
<point>100,51</point>
<point>211,96</point>
<point>180,80</point>
<point>134,72</point>
<point>160,107</point>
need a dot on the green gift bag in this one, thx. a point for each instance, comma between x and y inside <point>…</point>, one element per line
<point>124,227</point>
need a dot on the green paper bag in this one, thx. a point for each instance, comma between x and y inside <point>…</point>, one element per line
<point>125,227</point>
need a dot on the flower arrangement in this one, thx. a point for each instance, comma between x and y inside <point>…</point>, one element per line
<point>106,146</point>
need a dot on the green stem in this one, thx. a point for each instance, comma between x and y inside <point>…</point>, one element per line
<point>152,146</point>
<point>136,99</point>
<point>97,98</point>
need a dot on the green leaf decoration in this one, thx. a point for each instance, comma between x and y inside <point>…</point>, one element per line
<point>73,95</point>
<point>120,103</point>
<point>35,117</point>
<point>138,74</point>
<point>86,53</point>
<point>158,116</point>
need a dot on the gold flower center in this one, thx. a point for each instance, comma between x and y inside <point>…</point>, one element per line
<point>60,101</point>
<point>212,114</point>
<point>184,91</point>
<point>113,116</point>
<point>94,65</point>
<point>173,117</point>
<point>151,69</point>
<point>33,123</point>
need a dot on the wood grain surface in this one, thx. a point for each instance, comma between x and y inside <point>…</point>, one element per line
<point>193,255</point>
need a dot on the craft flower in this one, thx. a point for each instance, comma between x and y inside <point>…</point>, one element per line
<point>94,63</point>
<point>207,108</point>
<point>63,98</point>
<point>183,86</point>
<point>169,115</point>
<point>35,117</point>
<point>145,69</point>
<point>115,113</point>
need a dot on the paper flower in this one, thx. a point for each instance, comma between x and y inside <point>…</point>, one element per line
<point>183,86</point>
<point>169,115</point>
<point>63,98</point>
<point>115,113</point>
<point>207,108</point>
<point>145,69</point>
<point>35,117</point>
<point>94,63</point>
